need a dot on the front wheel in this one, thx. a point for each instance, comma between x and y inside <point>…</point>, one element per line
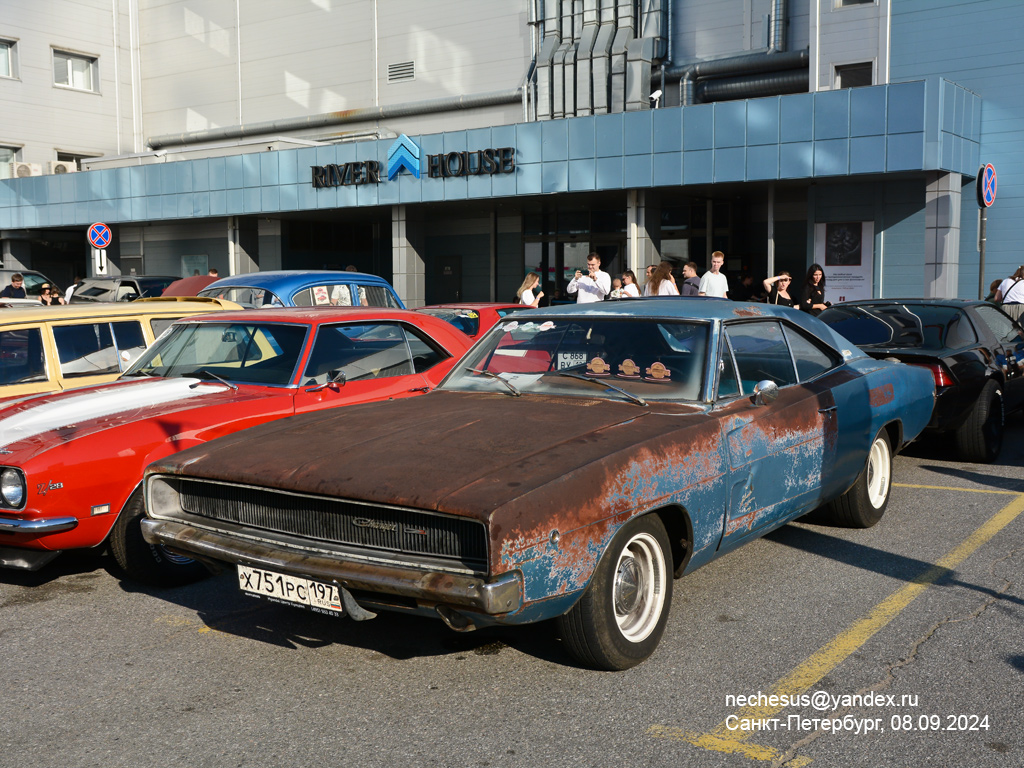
<point>864,504</point>
<point>145,562</point>
<point>619,620</point>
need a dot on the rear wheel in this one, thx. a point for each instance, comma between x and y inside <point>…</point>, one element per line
<point>980,438</point>
<point>145,562</point>
<point>619,620</point>
<point>864,504</point>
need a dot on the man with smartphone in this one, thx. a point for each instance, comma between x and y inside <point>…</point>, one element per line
<point>593,286</point>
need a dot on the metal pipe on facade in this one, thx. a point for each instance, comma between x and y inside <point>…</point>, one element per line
<point>753,86</point>
<point>386,112</point>
<point>751,63</point>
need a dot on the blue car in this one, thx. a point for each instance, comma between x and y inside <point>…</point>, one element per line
<point>572,463</point>
<point>305,288</point>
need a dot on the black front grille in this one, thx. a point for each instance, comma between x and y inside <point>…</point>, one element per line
<point>339,521</point>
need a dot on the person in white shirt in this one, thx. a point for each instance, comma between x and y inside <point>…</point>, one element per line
<point>593,286</point>
<point>525,293</point>
<point>663,284</point>
<point>714,283</point>
<point>1010,294</point>
<point>629,289</point>
<point>648,274</point>
<point>71,289</point>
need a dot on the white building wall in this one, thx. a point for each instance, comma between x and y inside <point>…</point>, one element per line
<point>44,119</point>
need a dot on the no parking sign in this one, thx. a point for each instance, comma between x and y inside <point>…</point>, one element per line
<point>99,235</point>
<point>987,186</point>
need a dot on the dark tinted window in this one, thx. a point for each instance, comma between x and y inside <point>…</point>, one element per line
<point>153,286</point>
<point>86,350</point>
<point>364,351</point>
<point>811,360</point>
<point>761,353</point>
<point>1001,326</point>
<point>22,358</point>
<point>465,320</point>
<point>130,341</point>
<point>902,326</point>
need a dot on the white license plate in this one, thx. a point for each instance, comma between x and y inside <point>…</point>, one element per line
<point>280,587</point>
<point>570,360</point>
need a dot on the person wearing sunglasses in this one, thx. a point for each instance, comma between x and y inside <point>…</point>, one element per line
<point>50,296</point>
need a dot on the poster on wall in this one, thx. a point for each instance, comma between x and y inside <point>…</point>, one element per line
<point>846,251</point>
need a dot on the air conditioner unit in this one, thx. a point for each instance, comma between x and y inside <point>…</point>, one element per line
<point>21,170</point>
<point>63,166</point>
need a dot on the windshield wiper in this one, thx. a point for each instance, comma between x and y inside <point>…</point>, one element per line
<point>493,375</point>
<point>140,372</point>
<point>635,398</point>
<point>203,374</point>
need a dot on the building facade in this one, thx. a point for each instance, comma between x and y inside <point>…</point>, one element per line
<point>453,145</point>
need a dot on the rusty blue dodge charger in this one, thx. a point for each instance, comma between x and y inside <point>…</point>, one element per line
<point>573,464</point>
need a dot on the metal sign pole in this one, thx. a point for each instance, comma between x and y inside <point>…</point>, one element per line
<point>982,220</point>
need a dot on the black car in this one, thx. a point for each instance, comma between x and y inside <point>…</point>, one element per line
<point>973,349</point>
<point>121,287</point>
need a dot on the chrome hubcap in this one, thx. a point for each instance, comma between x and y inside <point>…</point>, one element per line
<point>638,591</point>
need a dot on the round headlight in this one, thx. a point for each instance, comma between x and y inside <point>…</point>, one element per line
<point>11,487</point>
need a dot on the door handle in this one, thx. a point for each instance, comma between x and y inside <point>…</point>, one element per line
<point>420,389</point>
<point>830,409</point>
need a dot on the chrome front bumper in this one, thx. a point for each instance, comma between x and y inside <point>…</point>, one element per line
<point>45,525</point>
<point>498,596</point>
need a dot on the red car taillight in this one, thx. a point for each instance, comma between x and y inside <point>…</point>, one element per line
<point>943,378</point>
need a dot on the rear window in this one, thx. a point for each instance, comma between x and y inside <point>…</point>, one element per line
<point>902,326</point>
<point>467,321</point>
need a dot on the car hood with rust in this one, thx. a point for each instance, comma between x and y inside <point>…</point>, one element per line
<point>463,453</point>
<point>33,424</point>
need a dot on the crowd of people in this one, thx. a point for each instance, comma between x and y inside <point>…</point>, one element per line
<point>48,294</point>
<point>661,280</point>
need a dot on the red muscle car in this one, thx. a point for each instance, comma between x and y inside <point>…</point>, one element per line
<point>71,463</point>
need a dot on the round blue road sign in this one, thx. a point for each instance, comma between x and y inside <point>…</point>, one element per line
<point>99,235</point>
<point>987,186</point>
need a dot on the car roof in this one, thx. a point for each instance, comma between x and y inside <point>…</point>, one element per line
<point>314,315</point>
<point>112,278</point>
<point>295,279</point>
<point>474,305</point>
<point>157,306</point>
<point>940,302</point>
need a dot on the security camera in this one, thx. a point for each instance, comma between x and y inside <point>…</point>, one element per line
<point>656,98</point>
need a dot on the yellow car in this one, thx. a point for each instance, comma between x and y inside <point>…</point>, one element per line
<point>50,348</point>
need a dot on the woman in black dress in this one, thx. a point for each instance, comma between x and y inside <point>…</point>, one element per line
<point>813,299</point>
<point>778,289</point>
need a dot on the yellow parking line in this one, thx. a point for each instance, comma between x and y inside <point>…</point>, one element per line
<point>829,656</point>
<point>950,488</point>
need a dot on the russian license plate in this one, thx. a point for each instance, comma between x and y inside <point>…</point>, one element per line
<point>570,360</point>
<point>281,588</point>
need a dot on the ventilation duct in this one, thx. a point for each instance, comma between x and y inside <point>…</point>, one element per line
<point>550,40</point>
<point>601,61</point>
<point>584,58</point>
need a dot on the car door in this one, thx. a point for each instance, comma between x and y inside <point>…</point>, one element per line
<point>779,452</point>
<point>358,362</point>
<point>1009,341</point>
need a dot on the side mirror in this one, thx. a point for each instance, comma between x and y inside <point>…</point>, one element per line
<point>336,379</point>
<point>765,392</point>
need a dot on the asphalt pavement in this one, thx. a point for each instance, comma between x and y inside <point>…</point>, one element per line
<point>894,646</point>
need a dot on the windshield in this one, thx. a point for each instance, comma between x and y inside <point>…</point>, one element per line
<point>466,320</point>
<point>650,359</point>
<point>251,298</point>
<point>902,326</point>
<point>153,286</point>
<point>252,353</point>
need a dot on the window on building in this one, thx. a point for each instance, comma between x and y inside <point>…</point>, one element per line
<point>844,3</point>
<point>8,62</point>
<point>853,75</point>
<point>73,70</point>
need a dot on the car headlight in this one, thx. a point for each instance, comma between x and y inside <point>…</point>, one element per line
<point>12,487</point>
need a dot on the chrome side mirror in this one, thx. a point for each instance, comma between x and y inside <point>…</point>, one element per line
<point>336,379</point>
<point>766,391</point>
